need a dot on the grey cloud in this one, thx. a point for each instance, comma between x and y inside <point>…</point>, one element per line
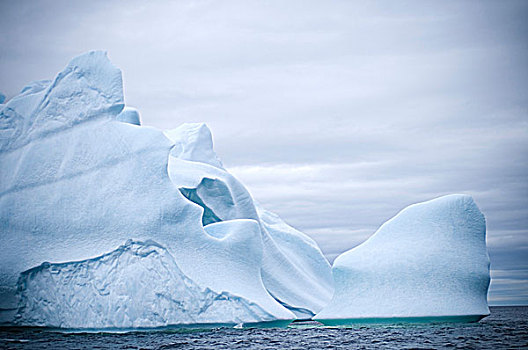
<point>335,115</point>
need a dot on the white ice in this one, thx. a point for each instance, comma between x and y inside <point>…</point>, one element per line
<point>430,260</point>
<point>79,176</point>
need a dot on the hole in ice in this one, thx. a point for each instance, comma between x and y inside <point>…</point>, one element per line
<point>208,216</point>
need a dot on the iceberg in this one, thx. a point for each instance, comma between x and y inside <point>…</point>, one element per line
<point>428,263</point>
<point>79,176</point>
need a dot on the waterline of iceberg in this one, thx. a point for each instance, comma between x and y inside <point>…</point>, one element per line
<point>401,320</point>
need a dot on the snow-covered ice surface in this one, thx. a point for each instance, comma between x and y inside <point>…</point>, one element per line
<point>79,176</point>
<point>428,263</point>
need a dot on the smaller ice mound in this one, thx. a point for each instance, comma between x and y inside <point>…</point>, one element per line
<point>129,115</point>
<point>2,98</point>
<point>137,285</point>
<point>428,263</point>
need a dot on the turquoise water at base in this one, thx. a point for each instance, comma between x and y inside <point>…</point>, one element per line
<point>402,320</point>
<point>505,328</point>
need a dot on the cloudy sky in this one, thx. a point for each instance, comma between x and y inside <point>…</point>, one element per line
<point>336,115</point>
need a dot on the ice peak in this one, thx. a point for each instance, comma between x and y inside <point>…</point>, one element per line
<point>89,87</point>
<point>194,142</point>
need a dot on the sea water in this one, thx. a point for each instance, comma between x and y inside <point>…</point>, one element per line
<point>506,327</point>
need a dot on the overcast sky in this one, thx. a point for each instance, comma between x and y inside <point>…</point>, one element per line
<point>335,114</point>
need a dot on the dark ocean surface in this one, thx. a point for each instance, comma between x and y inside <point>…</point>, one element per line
<point>505,328</point>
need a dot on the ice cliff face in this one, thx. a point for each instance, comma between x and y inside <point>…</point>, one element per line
<point>79,176</point>
<point>137,285</point>
<point>430,261</point>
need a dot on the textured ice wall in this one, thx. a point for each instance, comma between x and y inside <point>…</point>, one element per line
<point>137,285</point>
<point>429,260</point>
